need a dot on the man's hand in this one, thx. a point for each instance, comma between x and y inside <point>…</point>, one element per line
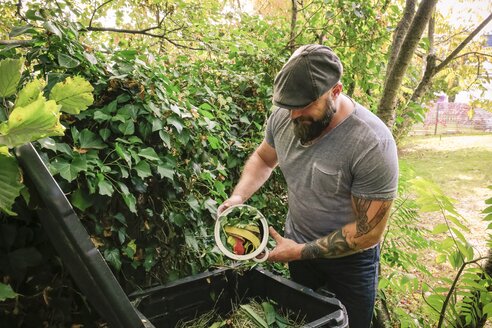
<point>286,250</point>
<point>233,200</point>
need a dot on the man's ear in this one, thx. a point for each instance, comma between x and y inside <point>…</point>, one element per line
<point>336,90</point>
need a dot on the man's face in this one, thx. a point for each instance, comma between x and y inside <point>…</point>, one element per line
<point>314,119</point>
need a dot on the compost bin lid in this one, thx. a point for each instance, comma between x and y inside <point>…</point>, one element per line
<point>72,242</point>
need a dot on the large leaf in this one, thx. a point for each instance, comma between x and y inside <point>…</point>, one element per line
<point>6,292</point>
<point>10,73</point>
<point>30,93</point>
<point>10,183</point>
<point>74,94</point>
<point>37,120</point>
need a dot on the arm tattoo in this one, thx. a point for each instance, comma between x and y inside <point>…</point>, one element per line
<point>331,246</point>
<point>362,222</point>
<point>335,244</point>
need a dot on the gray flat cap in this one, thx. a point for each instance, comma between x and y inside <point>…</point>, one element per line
<point>312,70</point>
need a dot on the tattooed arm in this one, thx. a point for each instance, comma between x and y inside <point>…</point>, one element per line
<point>364,232</point>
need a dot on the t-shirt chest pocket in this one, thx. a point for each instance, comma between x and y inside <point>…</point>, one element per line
<point>326,180</point>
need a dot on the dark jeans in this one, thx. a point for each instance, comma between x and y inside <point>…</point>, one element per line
<point>353,279</point>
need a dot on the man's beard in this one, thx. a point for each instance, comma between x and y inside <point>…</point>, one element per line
<point>308,132</point>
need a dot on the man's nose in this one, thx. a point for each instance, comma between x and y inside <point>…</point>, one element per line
<point>295,113</point>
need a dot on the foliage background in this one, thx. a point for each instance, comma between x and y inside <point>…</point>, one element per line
<point>181,99</point>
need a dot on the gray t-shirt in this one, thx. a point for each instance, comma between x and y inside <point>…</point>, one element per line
<point>358,157</point>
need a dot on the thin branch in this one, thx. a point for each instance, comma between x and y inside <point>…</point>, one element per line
<point>464,43</point>
<point>95,10</point>
<point>473,53</point>
<point>22,43</point>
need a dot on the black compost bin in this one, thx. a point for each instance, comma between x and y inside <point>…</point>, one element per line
<point>219,290</point>
<point>165,305</point>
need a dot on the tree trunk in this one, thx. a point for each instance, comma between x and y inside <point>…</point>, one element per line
<point>293,23</point>
<point>399,35</point>
<point>387,104</point>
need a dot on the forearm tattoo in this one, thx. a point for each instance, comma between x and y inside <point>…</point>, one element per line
<point>335,244</point>
<point>331,246</point>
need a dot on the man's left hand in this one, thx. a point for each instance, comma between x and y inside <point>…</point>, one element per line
<point>286,250</point>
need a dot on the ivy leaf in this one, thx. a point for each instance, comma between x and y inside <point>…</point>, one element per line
<point>70,171</point>
<point>176,123</point>
<point>165,171</point>
<point>143,169</point>
<point>10,74</point>
<point>10,183</point>
<point>127,128</point>
<point>214,142</point>
<point>113,257</point>
<point>6,292</point>
<point>37,120</point>
<point>149,153</point>
<point>105,188</point>
<point>74,94</point>
<point>81,200</point>
<point>32,91</point>
<point>90,140</point>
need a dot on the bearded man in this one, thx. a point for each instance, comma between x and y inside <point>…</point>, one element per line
<point>341,167</point>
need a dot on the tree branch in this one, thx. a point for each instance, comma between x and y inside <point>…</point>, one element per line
<point>464,43</point>
<point>95,10</point>
<point>22,43</point>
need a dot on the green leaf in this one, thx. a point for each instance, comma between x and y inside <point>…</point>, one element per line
<point>113,257</point>
<point>165,138</point>
<point>254,316</point>
<point>70,171</point>
<point>143,169</point>
<point>31,92</point>
<point>105,187</point>
<point>269,312</point>
<point>487,310</point>
<point>165,171</point>
<point>149,153</point>
<point>74,94</point>
<point>6,292</point>
<point>130,201</point>
<point>130,249</point>
<point>37,120</point>
<point>49,26</point>
<point>80,199</point>
<point>19,30</point>
<point>127,128</point>
<point>213,141</point>
<point>440,228</point>
<point>10,183</point>
<point>123,154</point>
<point>67,61</point>
<point>176,123</point>
<point>10,74</point>
<point>90,140</point>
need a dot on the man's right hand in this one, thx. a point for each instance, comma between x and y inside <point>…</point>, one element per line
<point>231,201</point>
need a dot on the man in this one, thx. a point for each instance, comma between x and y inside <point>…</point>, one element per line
<point>340,164</point>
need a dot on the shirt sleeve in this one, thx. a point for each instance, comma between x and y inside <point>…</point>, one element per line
<point>376,172</point>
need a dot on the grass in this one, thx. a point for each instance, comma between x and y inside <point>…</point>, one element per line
<point>453,170</point>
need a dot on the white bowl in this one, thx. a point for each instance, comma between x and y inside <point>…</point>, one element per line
<point>251,256</point>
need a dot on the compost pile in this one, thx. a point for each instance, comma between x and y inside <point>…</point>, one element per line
<point>241,230</point>
<point>251,315</point>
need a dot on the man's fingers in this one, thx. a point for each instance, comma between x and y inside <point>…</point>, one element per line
<point>275,235</point>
